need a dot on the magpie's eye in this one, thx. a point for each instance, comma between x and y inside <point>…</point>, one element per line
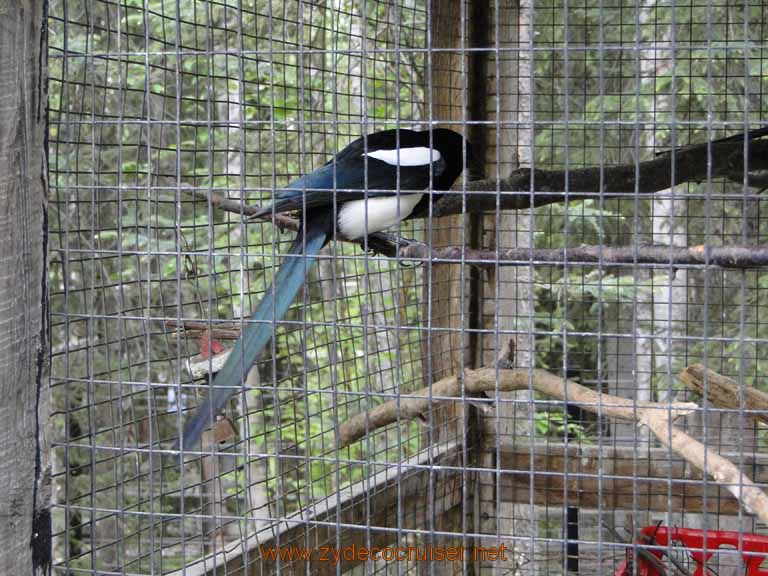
<point>419,156</point>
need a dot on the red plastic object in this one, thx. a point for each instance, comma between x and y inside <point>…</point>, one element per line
<point>754,549</point>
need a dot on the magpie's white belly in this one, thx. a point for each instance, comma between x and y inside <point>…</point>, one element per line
<point>383,212</point>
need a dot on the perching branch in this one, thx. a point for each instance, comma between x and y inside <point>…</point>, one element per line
<point>723,256</point>
<point>236,207</point>
<point>387,244</point>
<point>416,405</point>
<point>725,472</point>
<point>224,331</point>
<point>526,188</point>
<point>379,242</point>
<point>657,417</point>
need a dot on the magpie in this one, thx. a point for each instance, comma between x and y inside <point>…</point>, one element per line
<point>371,185</point>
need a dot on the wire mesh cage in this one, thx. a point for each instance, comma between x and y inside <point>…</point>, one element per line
<point>413,399</point>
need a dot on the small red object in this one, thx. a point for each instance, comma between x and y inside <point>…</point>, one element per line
<point>209,345</point>
<point>753,549</point>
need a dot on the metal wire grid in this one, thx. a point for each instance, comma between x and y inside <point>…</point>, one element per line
<point>143,103</point>
<point>148,99</point>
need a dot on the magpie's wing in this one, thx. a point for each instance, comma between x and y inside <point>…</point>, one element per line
<point>352,177</point>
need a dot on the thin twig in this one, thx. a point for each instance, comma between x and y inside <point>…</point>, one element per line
<point>237,207</point>
<point>380,242</point>
<point>224,331</point>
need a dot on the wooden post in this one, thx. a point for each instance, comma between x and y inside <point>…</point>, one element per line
<point>504,295</point>
<point>446,291</point>
<point>496,89</point>
<point>25,529</point>
<point>449,294</point>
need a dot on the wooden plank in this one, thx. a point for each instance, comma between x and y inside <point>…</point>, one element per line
<point>25,473</point>
<point>616,478</point>
<point>365,514</point>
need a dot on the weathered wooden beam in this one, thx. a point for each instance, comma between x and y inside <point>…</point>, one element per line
<point>614,478</point>
<point>25,529</point>
<point>725,392</point>
<point>365,514</point>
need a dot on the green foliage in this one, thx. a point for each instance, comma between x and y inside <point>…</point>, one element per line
<point>557,425</point>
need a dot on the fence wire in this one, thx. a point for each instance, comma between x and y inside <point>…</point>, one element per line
<point>160,109</point>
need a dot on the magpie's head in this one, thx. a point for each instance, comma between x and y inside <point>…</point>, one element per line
<point>448,152</point>
<point>456,152</point>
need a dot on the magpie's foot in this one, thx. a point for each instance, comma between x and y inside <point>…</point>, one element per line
<point>384,244</point>
<point>375,246</point>
<point>404,243</point>
<point>389,245</point>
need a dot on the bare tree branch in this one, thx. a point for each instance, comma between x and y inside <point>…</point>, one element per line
<point>474,382</point>
<point>658,417</point>
<point>379,242</point>
<point>724,256</point>
<point>389,245</point>
<point>225,331</point>
<point>526,188</point>
<point>710,462</point>
<point>237,207</point>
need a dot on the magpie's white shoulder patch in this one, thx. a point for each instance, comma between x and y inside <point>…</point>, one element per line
<point>418,156</point>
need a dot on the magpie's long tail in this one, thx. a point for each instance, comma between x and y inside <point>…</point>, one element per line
<point>258,331</point>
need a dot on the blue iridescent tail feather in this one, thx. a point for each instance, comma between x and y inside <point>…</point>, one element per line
<point>259,330</point>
